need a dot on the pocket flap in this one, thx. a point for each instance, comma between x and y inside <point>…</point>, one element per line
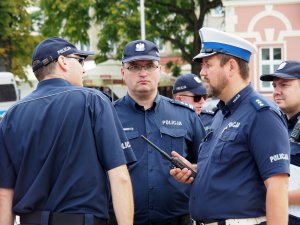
<point>131,134</point>
<point>228,135</point>
<point>173,132</point>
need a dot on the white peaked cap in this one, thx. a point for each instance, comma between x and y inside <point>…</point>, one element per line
<point>216,41</point>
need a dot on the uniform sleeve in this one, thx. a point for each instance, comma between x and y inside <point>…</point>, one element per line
<point>199,134</point>
<point>113,147</point>
<point>127,149</point>
<point>7,174</point>
<point>270,144</point>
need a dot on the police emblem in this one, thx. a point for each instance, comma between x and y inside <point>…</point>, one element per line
<point>140,47</point>
<point>281,66</point>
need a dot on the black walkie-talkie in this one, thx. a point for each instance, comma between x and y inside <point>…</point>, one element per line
<point>174,160</point>
<point>295,135</point>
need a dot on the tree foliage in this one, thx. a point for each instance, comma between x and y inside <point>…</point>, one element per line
<point>69,18</point>
<point>118,21</point>
<point>175,21</point>
<point>16,42</point>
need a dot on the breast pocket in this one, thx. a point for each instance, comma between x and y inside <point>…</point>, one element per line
<point>174,139</point>
<point>204,149</point>
<point>132,134</point>
<point>224,149</point>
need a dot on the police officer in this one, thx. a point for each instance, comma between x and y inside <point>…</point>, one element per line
<point>189,88</point>
<point>170,124</point>
<point>286,83</point>
<point>243,162</point>
<point>61,145</point>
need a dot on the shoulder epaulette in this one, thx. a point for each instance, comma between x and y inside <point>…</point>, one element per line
<point>259,103</point>
<point>183,104</point>
<point>208,111</point>
<point>117,101</point>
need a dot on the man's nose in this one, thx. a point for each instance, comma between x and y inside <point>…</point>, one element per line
<point>202,72</point>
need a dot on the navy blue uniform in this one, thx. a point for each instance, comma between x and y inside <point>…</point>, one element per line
<point>56,146</point>
<point>171,125</point>
<point>247,144</point>
<point>295,148</point>
<point>206,117</point>
<point>295,158</point>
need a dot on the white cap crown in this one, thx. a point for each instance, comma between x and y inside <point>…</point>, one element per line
<point>216,41</point>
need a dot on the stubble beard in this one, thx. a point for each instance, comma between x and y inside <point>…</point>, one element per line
<point>217,89</point>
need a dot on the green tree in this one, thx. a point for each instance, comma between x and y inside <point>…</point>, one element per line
<point>118,21</point>
<point>16,42</point>
<point>177,22</point>
<point>69,18</point>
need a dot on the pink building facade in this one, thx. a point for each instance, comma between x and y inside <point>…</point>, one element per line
<point>272,26</point>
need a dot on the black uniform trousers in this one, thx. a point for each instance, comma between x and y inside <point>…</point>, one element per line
<point>181,220</point>
<point>52,218</point>
<point>293,220</point>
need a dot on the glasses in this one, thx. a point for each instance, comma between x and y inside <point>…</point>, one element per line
<point>80,59</point>
<point>197,98</point>
<point>138,68</point>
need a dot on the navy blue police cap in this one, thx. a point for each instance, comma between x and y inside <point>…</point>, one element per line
<point>140,50</point>
<point>189,82</point>
<point>50,49</point>
<point>216,41</point>
<point>286,70</point>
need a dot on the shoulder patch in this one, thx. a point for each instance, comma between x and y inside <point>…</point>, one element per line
<point>183,104</point>
<point>259,103</point>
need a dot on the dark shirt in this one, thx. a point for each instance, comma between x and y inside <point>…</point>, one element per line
<point>295,147</point>
<point>295,156</point>
<point>171,125</point>
<point>56,146</point>
<point>247,144</point>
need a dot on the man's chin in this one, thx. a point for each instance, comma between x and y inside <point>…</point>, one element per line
<point>144,92</point>
<point>198,111</point>
<point>279,102</point>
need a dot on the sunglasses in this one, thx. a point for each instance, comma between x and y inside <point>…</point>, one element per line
<point>197,98</point>
<point>80,59</point>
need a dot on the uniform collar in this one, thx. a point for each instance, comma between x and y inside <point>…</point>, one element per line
<point>235,101</point>
<point>291,122</point>
<point>54,81</point>
<point>134,105</point>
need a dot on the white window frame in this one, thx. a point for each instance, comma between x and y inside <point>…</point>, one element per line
<point>271,62</point>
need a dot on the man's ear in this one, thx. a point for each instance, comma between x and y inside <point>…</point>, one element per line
<point>61,61</point>
<point>233,66</point>
<point>232,63</point>
<point>122,71</point>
